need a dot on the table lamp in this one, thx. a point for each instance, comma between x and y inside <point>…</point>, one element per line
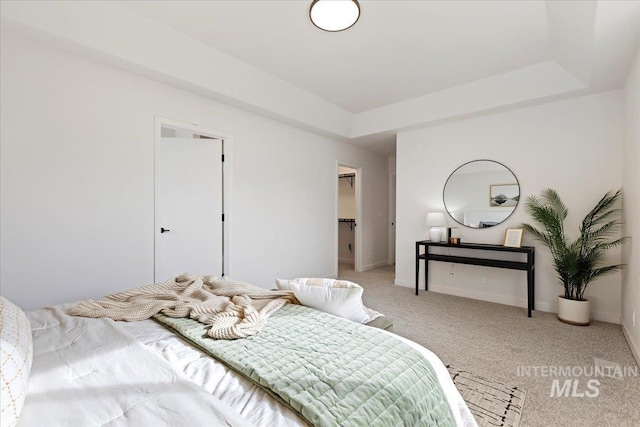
<point>435,220</point>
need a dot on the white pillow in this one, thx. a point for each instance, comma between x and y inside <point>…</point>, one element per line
<point>339,297</point>
<point>16,348</point>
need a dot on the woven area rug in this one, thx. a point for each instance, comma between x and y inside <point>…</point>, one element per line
<point>492,403</point>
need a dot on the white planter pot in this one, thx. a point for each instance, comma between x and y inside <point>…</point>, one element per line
<point>573,311</point>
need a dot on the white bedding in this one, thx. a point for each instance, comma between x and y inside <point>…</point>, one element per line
<point>86,372</point>
<point>101,372</point>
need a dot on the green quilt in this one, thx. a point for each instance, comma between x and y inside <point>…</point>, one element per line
<point>331,371</point>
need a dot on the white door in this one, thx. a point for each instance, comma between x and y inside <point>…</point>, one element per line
<point>189,207</point>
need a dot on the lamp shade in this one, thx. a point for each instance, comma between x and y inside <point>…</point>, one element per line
<point>435,219</point>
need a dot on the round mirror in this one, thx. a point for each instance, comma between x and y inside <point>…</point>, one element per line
<point>481,194</point>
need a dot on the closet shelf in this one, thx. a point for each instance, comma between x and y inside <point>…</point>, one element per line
<point>351,222</point>
<point>349,177</point>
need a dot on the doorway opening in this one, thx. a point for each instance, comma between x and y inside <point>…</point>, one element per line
<point>349,236</point>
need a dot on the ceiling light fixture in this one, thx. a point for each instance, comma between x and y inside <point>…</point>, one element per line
<point>334,15</point>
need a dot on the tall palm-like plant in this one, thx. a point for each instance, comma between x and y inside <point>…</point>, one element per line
<point>576,262</point>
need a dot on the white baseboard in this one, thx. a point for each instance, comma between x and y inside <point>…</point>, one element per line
<point>605,317</point>
<point>372,266</point>
<point>634,346</point>
<point>500,299</point>
<point>405,283</point>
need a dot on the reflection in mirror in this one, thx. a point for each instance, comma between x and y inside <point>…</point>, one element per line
<point>481,193</point>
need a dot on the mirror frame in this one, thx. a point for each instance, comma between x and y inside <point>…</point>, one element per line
<point>473,161</point>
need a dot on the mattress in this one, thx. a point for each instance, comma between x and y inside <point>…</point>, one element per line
<point>102,372</point>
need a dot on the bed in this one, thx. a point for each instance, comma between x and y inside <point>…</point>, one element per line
<point>97,371</point>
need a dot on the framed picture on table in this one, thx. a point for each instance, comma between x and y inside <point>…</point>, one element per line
<point>513,237</point>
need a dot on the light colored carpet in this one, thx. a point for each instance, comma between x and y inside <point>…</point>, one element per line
<point>498,341</point>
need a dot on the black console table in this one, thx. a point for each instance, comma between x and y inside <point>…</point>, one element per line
<point>528,266</point>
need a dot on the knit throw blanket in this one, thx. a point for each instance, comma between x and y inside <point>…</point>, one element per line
<point>233,309</point>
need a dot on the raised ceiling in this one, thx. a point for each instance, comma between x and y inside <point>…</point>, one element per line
<point>404,65</point>
<point>397,50</point>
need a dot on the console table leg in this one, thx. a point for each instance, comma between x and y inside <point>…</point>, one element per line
<point>533,292</point>
<point>533,281</point>
<point>426,269</point>
<point>530,295</point>
<point>417,265</point>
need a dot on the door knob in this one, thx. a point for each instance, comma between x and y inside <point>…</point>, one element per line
<point>163,230</point>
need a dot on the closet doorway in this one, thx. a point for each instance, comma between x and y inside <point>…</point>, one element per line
<point>189,202</point>
<point>349,234</point>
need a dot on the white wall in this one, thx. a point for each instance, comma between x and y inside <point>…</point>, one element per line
<point>573,146</point>
<point>631,185</point>
<point>77,182</point>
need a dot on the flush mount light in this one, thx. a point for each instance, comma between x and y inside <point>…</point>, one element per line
<point>334,15</point>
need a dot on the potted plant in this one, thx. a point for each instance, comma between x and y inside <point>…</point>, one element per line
<point>576,262</point>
